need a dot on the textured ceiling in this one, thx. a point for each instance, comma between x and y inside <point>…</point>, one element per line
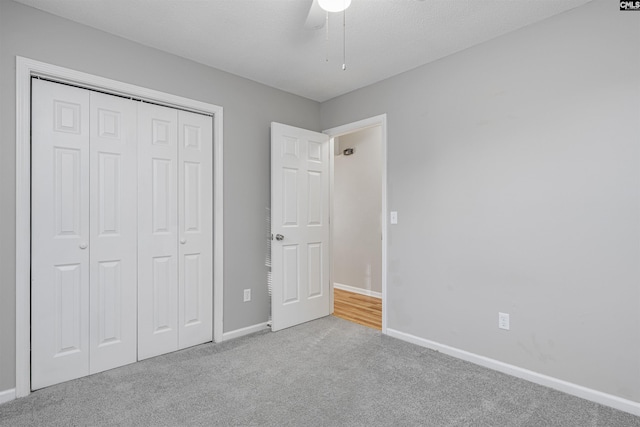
<point>266,40</point>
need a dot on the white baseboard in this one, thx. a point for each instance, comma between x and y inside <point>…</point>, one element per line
<point>244,331</point>
<point>535,377</point>
<point>7,395</point>
<point>355,290</point>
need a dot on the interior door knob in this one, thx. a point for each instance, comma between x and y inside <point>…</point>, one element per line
<point>279,237</point>
<point>83,246</point>
<point>183,241</point>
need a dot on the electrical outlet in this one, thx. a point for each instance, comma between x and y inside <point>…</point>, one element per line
<point>503,321</point>
<point>247,295</point>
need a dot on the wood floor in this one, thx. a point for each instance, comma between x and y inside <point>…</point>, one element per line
<point>357,308</point>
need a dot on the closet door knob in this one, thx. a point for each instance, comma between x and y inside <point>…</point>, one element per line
<point>183,241</point>
<point>279,237</point>
<point>83,245</point>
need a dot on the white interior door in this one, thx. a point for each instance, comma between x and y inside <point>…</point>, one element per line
<point>60,234</point>
<point>299,226</point>
<point>195,227</point>
<point>113,232</point>
<point>157,230</point>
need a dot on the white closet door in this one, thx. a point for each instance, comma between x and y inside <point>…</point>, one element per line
<point>122,217</point>
<point>113,235</point>
<point>195,219</point>
<point>157,230</point>
<point>60,234</point>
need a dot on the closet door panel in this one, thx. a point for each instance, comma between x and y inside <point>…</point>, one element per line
<point>114,236</point>
<point>195,207</point>
<point>60,234</point>
<point>157,230</point>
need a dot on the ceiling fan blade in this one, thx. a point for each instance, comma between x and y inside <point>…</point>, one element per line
<point>316,17</point>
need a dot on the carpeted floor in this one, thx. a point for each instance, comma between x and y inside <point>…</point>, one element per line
<point>329,372</point>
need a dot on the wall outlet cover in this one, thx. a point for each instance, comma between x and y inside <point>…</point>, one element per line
<point>503,321</point>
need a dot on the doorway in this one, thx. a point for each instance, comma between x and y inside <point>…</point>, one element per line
<point>302,166</point>
<point>358,225</point>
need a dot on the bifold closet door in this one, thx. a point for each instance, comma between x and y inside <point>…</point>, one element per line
<point>175,250</point>
<point>157,230</point>
<point>175,227</point>
<point>122,231</point>
<point>60,234</point>
<point>83,293</point>
<point>195,227</point>
<point>113,232</point>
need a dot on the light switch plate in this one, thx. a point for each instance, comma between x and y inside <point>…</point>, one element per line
<point>394,217</point>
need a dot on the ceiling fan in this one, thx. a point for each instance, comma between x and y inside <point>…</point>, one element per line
<point>318,18</point>
<point>318,10</point>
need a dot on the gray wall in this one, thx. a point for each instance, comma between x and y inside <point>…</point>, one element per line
<point>514,168</point>
<point>357,208</point>
<point>249,108</point>
<point>513,165</point>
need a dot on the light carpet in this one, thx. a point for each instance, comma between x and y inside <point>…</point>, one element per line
<point>328,372</point>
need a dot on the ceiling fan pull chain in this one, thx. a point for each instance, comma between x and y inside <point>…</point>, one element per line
<point>344,40</point>
<point>326,38</point>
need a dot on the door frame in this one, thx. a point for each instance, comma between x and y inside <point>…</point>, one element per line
<point>381,121</point>
<point>26,69</point>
